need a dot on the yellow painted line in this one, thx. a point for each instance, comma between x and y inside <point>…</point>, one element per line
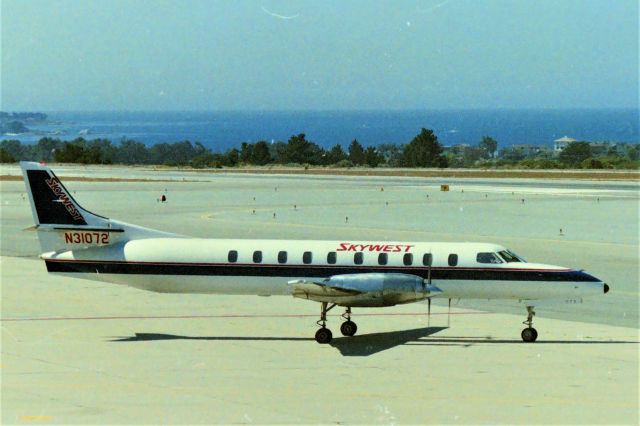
<point>35,418</point>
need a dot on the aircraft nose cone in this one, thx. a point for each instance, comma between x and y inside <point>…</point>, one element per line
<point>606,288</point>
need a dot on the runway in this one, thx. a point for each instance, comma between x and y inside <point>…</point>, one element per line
<point>80,352</point>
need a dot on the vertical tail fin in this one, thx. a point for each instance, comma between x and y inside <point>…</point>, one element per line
<point>51,203</point>
<point>63,224</point>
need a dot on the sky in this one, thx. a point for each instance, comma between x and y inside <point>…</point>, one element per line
<point>162,55</point>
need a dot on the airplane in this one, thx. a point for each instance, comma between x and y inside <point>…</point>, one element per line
<point>351,274</point>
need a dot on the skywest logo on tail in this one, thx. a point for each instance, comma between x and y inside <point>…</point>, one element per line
<point>63,198</point>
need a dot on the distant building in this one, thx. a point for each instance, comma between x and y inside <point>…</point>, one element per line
<point>604,148</point>
<point>560,144</point>
<point>530,150</point>
<point>597,148</point>
<point>459,149</point>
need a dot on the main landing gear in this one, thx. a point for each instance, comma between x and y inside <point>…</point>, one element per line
<point>529,334</point>
<point>324,335</point>
<point>348,328</point>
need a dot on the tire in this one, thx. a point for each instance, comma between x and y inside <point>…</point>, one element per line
<point>348,328</point>
<point>529,335</point>
<point>323,336</point>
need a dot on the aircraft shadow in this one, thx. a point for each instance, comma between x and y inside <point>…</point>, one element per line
<point>369,344</point>
<point>363,345</point>
<point>144,337</point>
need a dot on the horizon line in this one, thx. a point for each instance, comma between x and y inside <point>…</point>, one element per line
<point>123,111</point>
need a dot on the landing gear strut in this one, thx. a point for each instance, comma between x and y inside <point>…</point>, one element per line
<point>529,334</point>
<point>348,328</point>
<point>324,335</point>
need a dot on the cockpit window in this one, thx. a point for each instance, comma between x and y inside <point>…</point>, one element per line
<point>488,258</point>
<point>510,256</point>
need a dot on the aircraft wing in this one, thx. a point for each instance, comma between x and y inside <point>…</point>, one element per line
<point>320,291</point>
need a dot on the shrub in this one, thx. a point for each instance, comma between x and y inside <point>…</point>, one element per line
<point>591,163</point>
<point>343,164</point>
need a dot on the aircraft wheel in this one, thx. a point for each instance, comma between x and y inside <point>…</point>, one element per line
<point>348,328</point>
<point>323,335</point>
<point>529,334</point>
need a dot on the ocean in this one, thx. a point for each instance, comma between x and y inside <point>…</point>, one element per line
<point>223,130</point>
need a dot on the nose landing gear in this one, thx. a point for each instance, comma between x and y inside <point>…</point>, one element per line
<point>529,334</point>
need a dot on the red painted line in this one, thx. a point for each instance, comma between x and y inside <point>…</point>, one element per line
<point>227,316</point>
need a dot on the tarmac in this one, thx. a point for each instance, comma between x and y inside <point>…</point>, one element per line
<point>82,352</point>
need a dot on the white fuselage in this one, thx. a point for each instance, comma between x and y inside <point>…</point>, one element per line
<point>192,265</point>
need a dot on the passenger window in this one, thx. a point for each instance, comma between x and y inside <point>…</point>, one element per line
<point>331,257</point>
<point>233,256</point>
<point>427,259</point>
<point>307,257</point>
<point>453,259</point>
<point>383,258</point>
<point>282,257</point>
<point>407,259</point>
<point>358,258</point>
<point>488,258</point>
<point>257,256</point>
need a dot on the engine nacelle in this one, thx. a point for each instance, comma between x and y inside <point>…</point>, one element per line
<point>378,289</point>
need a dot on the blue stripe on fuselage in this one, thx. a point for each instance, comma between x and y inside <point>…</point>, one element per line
<point>318,271</point>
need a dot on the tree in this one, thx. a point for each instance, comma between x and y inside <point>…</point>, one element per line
<point>181,153</point>
<point>246,152</point>
<point>6,157</point>
<point>44,150</point>
<point>13,148</point>
<point>392,154</point>
<point>424,151</point>
<point>299,150</point>
<point>132,152</point>
<point>489,146</point>
<point>372,158</point>
<point>231,158</point>
<point>633,152</point>
<point>199,149</point>
<point>575,153</point>
<point>260,154</point>
<point>471,155</point>
<point>71,152</point>
<point>204,159</point>
<point>159,153</point>
<point>336,154</point>
<point>356,153</point>
<point>278,151</point>
<point>99,151</point>
<point>511,154</point>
